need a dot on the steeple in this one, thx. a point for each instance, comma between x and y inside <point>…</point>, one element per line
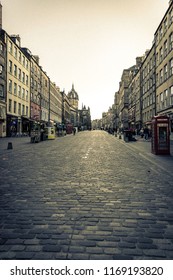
<point>73,97</point>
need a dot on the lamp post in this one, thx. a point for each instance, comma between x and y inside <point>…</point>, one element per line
<point>49,104</point>
<point>153,79</point>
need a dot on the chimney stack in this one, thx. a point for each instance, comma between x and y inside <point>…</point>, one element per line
<point>16,39</point>
<point>37,59</point>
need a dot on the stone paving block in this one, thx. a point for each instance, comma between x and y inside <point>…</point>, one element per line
<point>132,252</point>
<point>111,251</point>
<point>7,255</point>
<point>122,257</point>
<point>76,249</point>
<point>101,257</point>
<point>51,248</point>
<point>84,243</point>
<point>76,256</point>
<point>146,246</point>
<point>155,253</point>
<point>3,241</point>
<point>101,204</point>
<point>5,248</point>
<point>18,248</point>
<point>24,255</point>
<point>33,248</point>
<point>94,250</point>
<point>31,241</point>
<point>127,245</point>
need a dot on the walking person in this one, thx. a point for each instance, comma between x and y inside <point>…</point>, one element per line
<point>146,133</point>
<point>74,131</point>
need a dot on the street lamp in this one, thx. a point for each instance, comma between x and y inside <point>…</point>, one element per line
<point>49,104</point>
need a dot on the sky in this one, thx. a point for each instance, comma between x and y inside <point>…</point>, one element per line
<point>85,42</point>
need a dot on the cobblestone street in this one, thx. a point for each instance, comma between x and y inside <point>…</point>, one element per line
<point>90,196</point>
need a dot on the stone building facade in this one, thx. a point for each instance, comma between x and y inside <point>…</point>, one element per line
<point>164,65</point>
<point>3,86</point>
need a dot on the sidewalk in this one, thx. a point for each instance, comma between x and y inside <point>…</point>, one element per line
<point>17,142</point>
<point>143,149</point>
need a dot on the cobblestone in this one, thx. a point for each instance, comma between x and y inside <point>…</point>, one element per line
<point>91,196</point>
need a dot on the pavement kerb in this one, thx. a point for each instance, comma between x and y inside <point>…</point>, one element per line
<point>147,156</point>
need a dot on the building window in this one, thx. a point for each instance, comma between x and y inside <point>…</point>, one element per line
<point>27,80</point>
<point>23,77</point>
<point>166,93</point>
<point>26,95</point>
<point>35,85</point>
<point>23,60</point>
<point>171,95</point>
<point>15,89</point>
<point>15,52</point>
<point>10,105</point>
<point>15,70</point>
<point>15,107</point>
<point>10,66</point>
<point>157,78</point>
<point>165,24</point>
<point>26,110</point>
<point>161,54</point>
<point>171,17</point>
<point>161,76</point>
<point>171,90</point>
<point>165,72</point>
<point>157,58</point>
<point>171,41</point>
<point>10,47</point>
<point>19,109</point>
<point>171,67</point>
<point>20,56</point>
<point>161,32</point>
<point>2,48</point>
<point>1,90</point>
<point>19,74</point>
<point>26,64</point>
<point>19,91</point>
<point>165,48</point>
<point>32,82</point>
<point>23,110</point>
<point>10,86</point>
<point>23,93</point>
<point>1,69</point>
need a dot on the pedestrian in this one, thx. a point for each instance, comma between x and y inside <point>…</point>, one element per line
<point>74,131</point>
<point>146,133</point>
<point>142,132</point>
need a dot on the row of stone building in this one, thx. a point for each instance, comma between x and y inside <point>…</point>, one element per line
<point>145,89</point>
<point>27,94</point>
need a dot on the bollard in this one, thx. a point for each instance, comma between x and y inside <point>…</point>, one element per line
<point>10,146</point>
